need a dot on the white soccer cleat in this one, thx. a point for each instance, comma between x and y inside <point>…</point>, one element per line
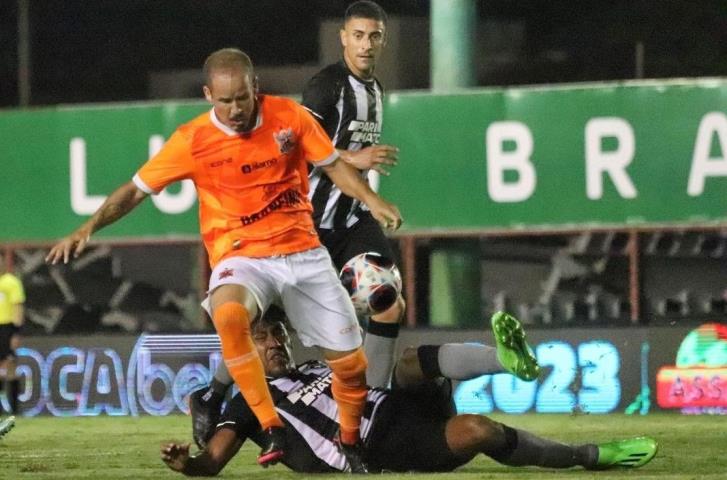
<point>6,425</point>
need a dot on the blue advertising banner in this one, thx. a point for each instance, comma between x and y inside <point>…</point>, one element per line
<point>600,370</point>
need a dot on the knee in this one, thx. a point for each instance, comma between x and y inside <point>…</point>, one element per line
<point>409,359</point>
<point>394,314</point>
<point>400,305</point>
<point>479,430</point>
<point>407,371</point>
<point>231,317</point>
<point>10,367</point>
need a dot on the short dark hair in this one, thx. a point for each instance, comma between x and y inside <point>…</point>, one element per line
<point>272,315</point>
<point>225,59</point>
<point>365,9</point>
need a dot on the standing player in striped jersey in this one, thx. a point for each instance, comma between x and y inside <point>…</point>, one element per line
<point>347,100</point>
<point>411,427</point>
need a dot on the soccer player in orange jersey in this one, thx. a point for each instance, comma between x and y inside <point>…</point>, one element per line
<point>248,159</point>
<point>347,100</point>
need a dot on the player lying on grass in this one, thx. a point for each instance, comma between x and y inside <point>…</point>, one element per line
<point>410,427</point>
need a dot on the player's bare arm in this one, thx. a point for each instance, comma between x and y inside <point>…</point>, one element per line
<point>18,320</point>
<point>374,157</point>
<point>122,201</point>
<point>223,445</point>
<point>348,180</point>
<point>18,314</point>
<point>177,457</point>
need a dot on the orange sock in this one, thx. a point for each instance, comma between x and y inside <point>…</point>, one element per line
<point>349,390</point>
<point>232,322</point>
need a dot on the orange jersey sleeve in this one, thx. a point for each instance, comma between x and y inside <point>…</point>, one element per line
<point>317,147</point>
<point>173,162</point>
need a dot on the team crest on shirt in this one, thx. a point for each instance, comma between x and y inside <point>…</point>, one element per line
<point>285,140</point>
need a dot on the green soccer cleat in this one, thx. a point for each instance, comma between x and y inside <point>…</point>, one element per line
<point>513,352</point>
<point>631,453</point>
<point>6,425</point>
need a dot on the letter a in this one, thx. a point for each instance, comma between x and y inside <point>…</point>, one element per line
<point>702,165</point>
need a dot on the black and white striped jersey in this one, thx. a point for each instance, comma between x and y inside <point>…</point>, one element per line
<point>305,403</point>
<point>350,109</point>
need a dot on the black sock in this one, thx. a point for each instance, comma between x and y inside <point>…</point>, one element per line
<point>429,360</point>
<point>222,380</point>
<point>524,448</point>
<point>12,394</point>
<point>217,390</point>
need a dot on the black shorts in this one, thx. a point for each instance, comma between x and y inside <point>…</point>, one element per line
<point>365,235</point>
<point>6,332</point>
<point>409,432</point>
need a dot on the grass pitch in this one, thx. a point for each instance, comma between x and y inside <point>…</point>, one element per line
<point>124,447</point>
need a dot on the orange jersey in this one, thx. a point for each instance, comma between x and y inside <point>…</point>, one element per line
<point>252,187</point>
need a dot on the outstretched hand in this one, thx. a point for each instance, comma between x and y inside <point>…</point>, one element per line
<point>375,157</point>
<point>74,243</point>
<point>387,214</point>
<point>175,455</point>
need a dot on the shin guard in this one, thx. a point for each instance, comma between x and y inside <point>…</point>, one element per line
<point>232,322</point>
<point>349,390</point>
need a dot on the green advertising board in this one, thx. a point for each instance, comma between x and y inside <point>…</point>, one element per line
<point>63,161</point>
<point>557,157</point>
<point>638,153</point>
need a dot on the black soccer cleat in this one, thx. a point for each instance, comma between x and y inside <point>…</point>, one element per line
<point>204,406</point>
<point>273,452</point>
<point>355,456</point>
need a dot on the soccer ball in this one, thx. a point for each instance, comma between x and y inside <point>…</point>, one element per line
<point>372,281</point>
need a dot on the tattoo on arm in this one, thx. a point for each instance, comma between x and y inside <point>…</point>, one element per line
<point>118,204</point>
<point>109,214</point>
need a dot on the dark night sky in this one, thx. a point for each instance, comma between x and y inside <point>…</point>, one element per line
<point>103,50</point>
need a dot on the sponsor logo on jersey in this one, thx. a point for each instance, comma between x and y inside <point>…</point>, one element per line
<point>288,198</point>
<point>308,393</point>
<point>219,163</point>
<point>251,167</point>
<point>364,131</point>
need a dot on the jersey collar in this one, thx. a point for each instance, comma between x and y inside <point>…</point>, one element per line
<point>371,81</point>
<point>231,131</point>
